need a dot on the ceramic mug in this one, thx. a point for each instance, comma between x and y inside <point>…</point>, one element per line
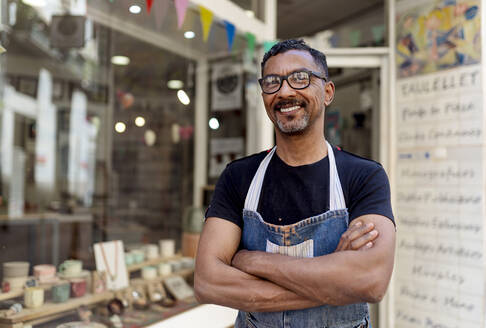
<point>167,247</point>
<point>78,287</point>
<point>149,273</point>
<point>60,292</point>
<point>71,267</point>
<point>33,297</point>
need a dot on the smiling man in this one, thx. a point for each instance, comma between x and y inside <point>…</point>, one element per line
<point>302,235</point>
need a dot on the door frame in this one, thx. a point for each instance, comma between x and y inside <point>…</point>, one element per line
<point>381,58</point>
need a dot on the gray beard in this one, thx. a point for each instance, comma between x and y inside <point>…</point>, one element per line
<point>294,127</point>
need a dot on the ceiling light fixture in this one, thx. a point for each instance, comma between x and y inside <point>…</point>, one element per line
<point>120,127</point>
<point>139,121</point>
<point>183,97</point>
<point>135,9</point>
<point>189,34</point>
<point>175,84</point>
<point>120,60</point>
<point>250,13</point>
<point>35,3</point>
<point>214,123</point>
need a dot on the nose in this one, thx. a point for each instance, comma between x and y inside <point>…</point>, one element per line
<point>286,90</point>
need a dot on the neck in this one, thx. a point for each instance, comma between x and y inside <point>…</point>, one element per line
<point>296,150</point>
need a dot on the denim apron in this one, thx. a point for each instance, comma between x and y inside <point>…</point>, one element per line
<point>314,236</point>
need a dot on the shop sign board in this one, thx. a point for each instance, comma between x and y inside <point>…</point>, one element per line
<point>439,275</point>
<point>227,86</point>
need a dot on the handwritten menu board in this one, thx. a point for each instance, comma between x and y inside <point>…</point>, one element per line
<point>439,278</point>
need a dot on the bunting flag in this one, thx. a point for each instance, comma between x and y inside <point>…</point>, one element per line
<point>149,5</point>
<point>181,8</point>
<point>160,11</point>
<point>250,43</point>
<point>2,50</point>
<point>267,45</point>
<point>378,32</point>
<point>355,38</point>
<point>206,21</point>
<point>230,33</point>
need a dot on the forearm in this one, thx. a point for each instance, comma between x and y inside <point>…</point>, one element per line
<point>335,279</point>
<point>225,285</point>
<point>339,278</point>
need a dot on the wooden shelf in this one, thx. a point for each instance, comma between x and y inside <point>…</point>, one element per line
<point>139,266</point>
<point>49,309</point>
<point>183,273</point>
<point>20,292</point>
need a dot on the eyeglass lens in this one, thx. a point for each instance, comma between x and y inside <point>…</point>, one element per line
<point>297,80</point>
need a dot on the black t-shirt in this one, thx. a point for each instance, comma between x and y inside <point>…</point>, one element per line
<point>290,194</point>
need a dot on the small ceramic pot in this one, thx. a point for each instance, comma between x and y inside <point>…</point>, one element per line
<point>78,287</point>
<point>129,258</point>
<point>151,251</point>
<point>167,247</point>
<point>149,273</point>
<point>165,269</point>
<point>60,292</point>
<point>70,268</point>
<point>44,272</point>
<point>33,297</point>
<point>15,269</point>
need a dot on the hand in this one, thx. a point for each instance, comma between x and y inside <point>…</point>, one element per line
<point>359,236</point>
<point>241,258</point>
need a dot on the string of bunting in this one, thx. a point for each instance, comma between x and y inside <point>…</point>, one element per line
<point>160,9</point>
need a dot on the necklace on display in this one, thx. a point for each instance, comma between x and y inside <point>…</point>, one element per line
<point>111,275</point>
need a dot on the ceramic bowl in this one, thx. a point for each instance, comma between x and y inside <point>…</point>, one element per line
<point>15,269</point>
<point>16,282</point>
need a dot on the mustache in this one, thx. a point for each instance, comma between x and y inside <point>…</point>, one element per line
<point>289,102</point>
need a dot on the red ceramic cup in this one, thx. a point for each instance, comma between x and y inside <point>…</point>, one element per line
<point>78,287</point>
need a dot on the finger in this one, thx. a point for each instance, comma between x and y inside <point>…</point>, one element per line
<point>345,239</point>
<point>361,231</point>
<point>364,240</point>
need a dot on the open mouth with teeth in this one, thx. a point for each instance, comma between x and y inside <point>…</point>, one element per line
<point>289,107</point>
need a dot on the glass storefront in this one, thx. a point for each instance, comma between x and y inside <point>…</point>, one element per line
<point>98,143</point>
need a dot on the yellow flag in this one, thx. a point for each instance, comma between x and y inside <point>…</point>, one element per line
<point>206,20</point>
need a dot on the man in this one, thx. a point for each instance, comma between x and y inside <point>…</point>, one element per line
<point>302,235</point>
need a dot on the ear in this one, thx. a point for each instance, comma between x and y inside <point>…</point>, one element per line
<point>329,96</point>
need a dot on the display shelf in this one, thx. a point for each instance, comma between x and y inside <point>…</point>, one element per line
<point>11,294</point>
<point>183,273</point>
<point>50,309</point>
<point>139,266</point>
<point>20,292</point>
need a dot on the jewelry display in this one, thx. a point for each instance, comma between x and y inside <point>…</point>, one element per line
<point>109,258</point>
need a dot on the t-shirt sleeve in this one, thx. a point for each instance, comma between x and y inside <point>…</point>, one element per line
<point>226,202</point>
<point>371,194</point>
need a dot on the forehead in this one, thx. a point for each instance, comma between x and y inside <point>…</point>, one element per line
<point>289,61</point>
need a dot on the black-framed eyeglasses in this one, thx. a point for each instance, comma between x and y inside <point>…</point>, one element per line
<point>297,80</point>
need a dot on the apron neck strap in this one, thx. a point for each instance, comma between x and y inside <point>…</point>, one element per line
<point>336,196</point>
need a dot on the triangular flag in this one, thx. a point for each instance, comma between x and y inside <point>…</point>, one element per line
<point>378,32</point>
<point>149,5</point>
<point>181,7</point>
<point>230,33</point>
<point>2,50</point>
<point>355,38</point>
<point>160,11</point>
<point>206,21</point>
<point>267,45</point>
<point>250,43</point>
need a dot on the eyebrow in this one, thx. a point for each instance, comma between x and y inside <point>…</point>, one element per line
<point>295,70</point>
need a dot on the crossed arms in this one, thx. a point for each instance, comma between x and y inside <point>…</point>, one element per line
<point>261,282</point>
